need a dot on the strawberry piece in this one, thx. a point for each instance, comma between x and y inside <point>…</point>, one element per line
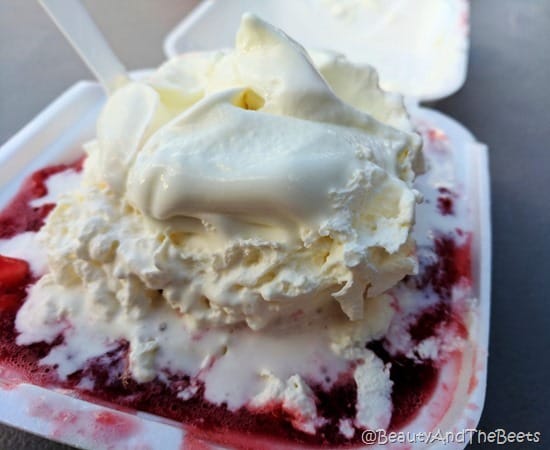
<point>12,272</point>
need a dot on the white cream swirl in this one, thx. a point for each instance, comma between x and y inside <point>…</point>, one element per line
<point>248,185</point>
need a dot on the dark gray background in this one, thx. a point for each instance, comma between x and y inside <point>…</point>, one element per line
<point>505,103</point>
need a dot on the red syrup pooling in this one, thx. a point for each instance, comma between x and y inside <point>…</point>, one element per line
<point>413,382</point>
<point>113,383</point>
<point>18,216</point>
<point>451,266</point>
<point>445,201</point>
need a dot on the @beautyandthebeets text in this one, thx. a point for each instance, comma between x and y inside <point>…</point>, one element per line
<point>499,436</point>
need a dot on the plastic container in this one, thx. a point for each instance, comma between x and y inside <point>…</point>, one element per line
<point>55,136</point>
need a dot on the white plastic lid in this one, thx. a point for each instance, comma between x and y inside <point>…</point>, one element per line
<point>419,47</point>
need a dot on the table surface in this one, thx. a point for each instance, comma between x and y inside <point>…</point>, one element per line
<point>505,103</point>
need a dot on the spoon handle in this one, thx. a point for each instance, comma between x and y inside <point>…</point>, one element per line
<point>77,26</point>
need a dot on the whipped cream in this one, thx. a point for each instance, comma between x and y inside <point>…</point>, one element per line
<point>235,205</point>
<point>260,185</point>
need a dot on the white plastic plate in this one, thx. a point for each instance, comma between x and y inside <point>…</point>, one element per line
<point>56,136</point>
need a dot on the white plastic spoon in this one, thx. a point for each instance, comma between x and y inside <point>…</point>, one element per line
<point>83,34</point>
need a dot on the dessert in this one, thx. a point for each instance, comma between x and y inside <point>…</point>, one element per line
<point>239,254</point>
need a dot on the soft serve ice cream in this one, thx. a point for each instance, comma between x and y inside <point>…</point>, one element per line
<point>242,214</point>
<point>271,195</point>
